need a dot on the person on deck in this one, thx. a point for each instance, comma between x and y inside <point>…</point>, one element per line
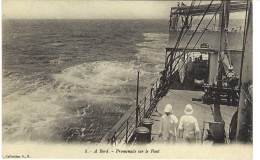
<point>182,69</point>
<point>163,87</point>
<point>188,126</point>
<point>189,69</point>
<point>231,79</point>
<point>230,73</point>
<point>168,125</point>
<point>170,23</point>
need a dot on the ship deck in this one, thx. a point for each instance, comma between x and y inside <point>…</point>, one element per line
<point>178,99</point>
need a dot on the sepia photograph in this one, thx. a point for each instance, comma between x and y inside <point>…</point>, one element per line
<point>127,79</point>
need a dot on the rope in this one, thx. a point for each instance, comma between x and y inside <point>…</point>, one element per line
<point>194,33</point>
<point>198,25</point>
<point>180,35</point>
<point>190,24</point>
<point>199,4</point>
<point>199,15</point>
<point>186,21</point>
<point>196,18</point>
<point>203,32</point>
<point>244,43</point>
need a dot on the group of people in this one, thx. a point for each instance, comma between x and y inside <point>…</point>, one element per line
<point>173,22</point>
<point>170,129</point>
<point>182,4</point>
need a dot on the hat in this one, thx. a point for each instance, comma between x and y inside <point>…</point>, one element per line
<point>188,109</point>
<point>230,67</point>
<point>168,108</point>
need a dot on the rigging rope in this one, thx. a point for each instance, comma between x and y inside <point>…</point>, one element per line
<point>187,29</point>
<point>180,35</point>
<point>194,33</point>
<point>203,32</point>
<point>199,4</point>
<point>198,26</point>
<point>180,38</point>
<point>244,43</point>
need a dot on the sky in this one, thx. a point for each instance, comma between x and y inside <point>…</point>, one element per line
<point>87,9</point>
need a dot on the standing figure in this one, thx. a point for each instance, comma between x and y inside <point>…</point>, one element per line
<point>230,73</point>
<point>188,125</point>
<point>231,79</point>
<point>184,23</point>
<point>170,23</point>
<point>189,70</point>
<point>168,125</point>
<point>182,20</point>
<point>182,69</point>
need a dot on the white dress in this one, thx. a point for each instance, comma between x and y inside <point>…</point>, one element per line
<point>168,125</point>
<point>182,69</point>
<point>189,125</point>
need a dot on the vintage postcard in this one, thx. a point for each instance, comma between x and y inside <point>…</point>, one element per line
<point>127,79</point>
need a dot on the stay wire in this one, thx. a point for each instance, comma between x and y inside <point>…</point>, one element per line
<point>203,31</point>
<point>193,33</point>
<point>244,43</point>
<point>181,33</point>
<point>180,38</point>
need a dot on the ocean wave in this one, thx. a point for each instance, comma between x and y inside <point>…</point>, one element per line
<point>155,36</point>
<point>56,44</point>
<point>151,52</point>
<point>79,103</point>
<point>52,110</point>
<point>60,60</point>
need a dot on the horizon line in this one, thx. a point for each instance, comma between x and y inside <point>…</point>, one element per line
<point>100,18</point>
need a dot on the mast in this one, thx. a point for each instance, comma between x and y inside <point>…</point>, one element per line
<point>223,39</point>
<point>244,110</point>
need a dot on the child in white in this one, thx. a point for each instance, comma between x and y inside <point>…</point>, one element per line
<point>189,125</point>
<point>168,125</point>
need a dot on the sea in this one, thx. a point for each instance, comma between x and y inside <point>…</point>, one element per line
<point>70,81</point>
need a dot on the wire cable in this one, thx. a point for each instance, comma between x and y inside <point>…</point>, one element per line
<point>203,32</point>
<point>244,43</point>
<point>193,34</point>
<point>180,35</point>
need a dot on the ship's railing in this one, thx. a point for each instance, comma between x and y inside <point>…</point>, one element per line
<point>125,128</point>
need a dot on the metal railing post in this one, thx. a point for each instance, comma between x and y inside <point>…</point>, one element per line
<point>166,59</point>
<point>137,115</point>
<point>151,92</point>
<point>126,136</point>
<point>171,61</point>
<point>151,99</point>
<point>137,94</point>
<point>144,105</point>
<point>137,88</point>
